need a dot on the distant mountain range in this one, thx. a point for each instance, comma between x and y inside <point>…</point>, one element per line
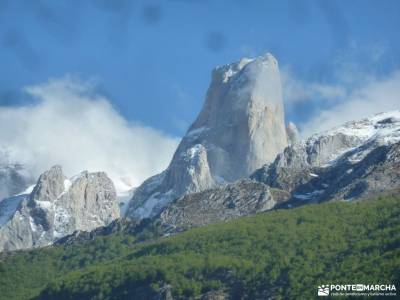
<point>238,158</point>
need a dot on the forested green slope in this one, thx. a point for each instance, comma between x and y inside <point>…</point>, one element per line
<point>283,254</point>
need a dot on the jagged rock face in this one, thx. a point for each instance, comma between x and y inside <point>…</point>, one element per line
<point>223,203</point>
<point>240,128</point>
<point>57,207</point>
<point>352,161</point>
<point>294,165</point>
<point>378,171</point>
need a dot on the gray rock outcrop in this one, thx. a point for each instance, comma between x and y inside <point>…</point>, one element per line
<point>377,172</point>
<point>240,128</point>
<point>244,197</point>
<point>58,206</point>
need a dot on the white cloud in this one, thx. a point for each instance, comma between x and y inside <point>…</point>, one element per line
<point>295,90</point>
<point>72,126</point>
<point>353,91</point>
<point>374,96</point>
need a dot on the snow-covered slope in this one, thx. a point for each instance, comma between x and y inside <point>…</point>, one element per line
<point>341,162</point>
<point>378,125</point>
<point>380,129</point>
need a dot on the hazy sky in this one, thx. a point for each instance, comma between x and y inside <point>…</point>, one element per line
<point>151,60</point>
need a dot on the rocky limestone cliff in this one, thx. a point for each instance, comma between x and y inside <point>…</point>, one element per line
<point>222,203</point>
<point>57,207</point>
<point>240,128</point>
<point>242,120</point>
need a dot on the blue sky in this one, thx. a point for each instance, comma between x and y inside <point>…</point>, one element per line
<point>152,59</point>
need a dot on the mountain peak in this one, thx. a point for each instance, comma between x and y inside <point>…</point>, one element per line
<point>240,127</point>
<point>225,72</point>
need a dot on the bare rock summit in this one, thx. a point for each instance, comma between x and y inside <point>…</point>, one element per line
<point>240,128</point>
<point>57,207</point>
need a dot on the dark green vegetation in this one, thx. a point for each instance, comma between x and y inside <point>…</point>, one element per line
<point>283,254</point>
